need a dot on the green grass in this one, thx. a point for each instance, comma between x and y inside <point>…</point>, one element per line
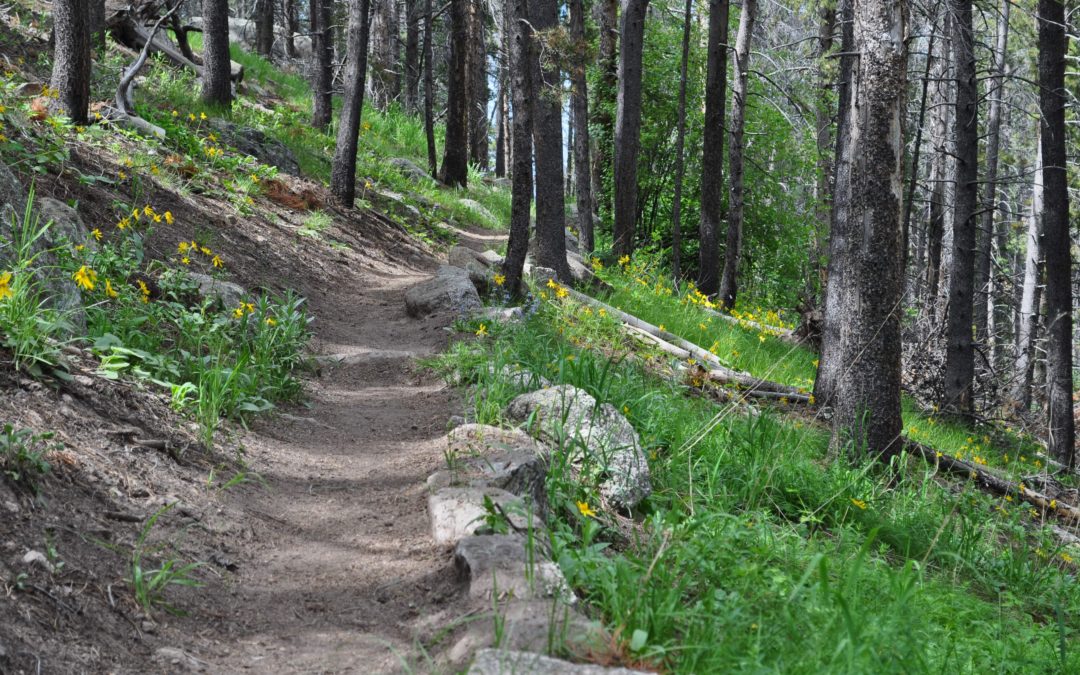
<point>761,551</point>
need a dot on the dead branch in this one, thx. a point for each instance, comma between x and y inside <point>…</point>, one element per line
<point>125,102</point>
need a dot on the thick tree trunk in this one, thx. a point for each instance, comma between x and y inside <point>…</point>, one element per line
<point>385,82</point>
<point>71,59</point>
<point>217,67</point>
<point>579,104</point>
<point>478,86</point>
<point>548,146</point>
<point>322,53</point>
<point>429,90</point>
<point>712,149</point>
<point>1030,297</point>
<point>729,281</point>
<point>606,13</point>
<point>1056,239</point>
<point>519,42</point>
<point>628,123</point>
<point>960,349</point>
<point>867,406</point>
<point>413,16</point>
<point>343,171</point>
<point>830,364</point>
<point>455,167</point>
<point>264,27</point>
<point>680,146</point>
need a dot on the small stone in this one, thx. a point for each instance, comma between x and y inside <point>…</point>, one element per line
<point>37,558</point>
<point>148,627</point>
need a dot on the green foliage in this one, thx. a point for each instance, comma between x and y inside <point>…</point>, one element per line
<point>22,454</point>
<point>149,585</point>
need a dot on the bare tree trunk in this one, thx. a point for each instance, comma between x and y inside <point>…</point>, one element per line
<point>712,149</point>
<point>628,123</point>
<point>548,146</point>
<point>519,41</point>
<point>455,167</point>
<point>217,67</point>
<point>935,227</point>
<point>413,16</point>
<point>823,117</point>
<point>264,27</point>
<point>1056,239</point>
<point>579,103</point>
<point>478,86</point>
<point>71,59</point>
<point>1030,295</point>
<point>429,90</point>
<point>343,171</point>
<point>322,53</point>
<point>606,13</point>
<point>729,280</point>
<point>680,145</point>
<point>867,407</point>
<point>960,352</point>
<point>96,18</point>
<point>913,180</point>
<point>500,127</point>
<point>292,26</point>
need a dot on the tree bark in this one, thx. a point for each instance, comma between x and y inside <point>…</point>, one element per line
<point>478,86</point>
<point>867,418</point>
<point>71,59</point>
<point>500,127</point>
<point>429,90</point>
<point>606,13</point>
<point>343,170</point>
<point>960,349</point>
<point>712,149</point>
<point>264,27</point>
<point>548,145</point>
<point>579,103</point>
<point>292,25</point>
<point>385,82</point>
<point>519,41</point>
<point>322,53</point>
<point>628,123</point>
<point>413,16</point>
<point>217,67</point>
<point>729,280</point>
<point>680,146</point>
<point>1030,295</point>
<point>455,167</point>
<point>823,119</point>
<point>1056,239</point>
<point>96,18</point>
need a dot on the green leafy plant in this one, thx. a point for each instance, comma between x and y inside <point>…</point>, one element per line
<point>150,584</point>
<point>22,454</point>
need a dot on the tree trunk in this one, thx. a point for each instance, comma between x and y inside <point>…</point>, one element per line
<point>1056,239</point>
<point>413,16</point>
<point>628,123</point>
<point>292,26</point>
<point>868,398</point>
<point>519,41</point>
<point>606,13</point>
<point>383,50</point>
<point>830,363</point>
<point>500,127</point>
<point>1030,295</point>
<point>71,59</point>
<point>712,149</point>
<point>729,281</point>
<point>455,167</point>
<point>935,224</point>
<point>264,27</point>
<point>478,86</point>
<point>96,19</point>
<point>429,90</point>
<point>217,67</point>
<point>579,103</point>
<point>823,119</point>
<point>960,353</point>
<point>680,145</point>
<point>913,180</point>
<point>322,53</point>
<point>548,145</point>
<point>343,171</point>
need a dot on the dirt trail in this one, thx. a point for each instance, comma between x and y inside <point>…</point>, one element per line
<point>343,573</point>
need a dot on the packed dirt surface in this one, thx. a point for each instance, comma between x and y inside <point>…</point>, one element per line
<point>320,560</point>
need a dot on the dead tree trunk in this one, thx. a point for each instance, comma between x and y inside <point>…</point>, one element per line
<point>343,169</point>
<point>628,123</point>
<point>520,55</point>
<point>712,149</point>
<point>1030,295</point>
<point>579,103</point>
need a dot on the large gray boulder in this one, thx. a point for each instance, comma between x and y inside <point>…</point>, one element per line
<point>228,293</point>
<point>486,217</point>
<point>410,169</point>
<point>258,145</point>
<point>604,444</point>
<point>450,291</point>
<point>502,566</point>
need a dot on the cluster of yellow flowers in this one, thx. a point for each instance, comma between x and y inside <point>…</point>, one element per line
<point>188,248</point>
<point>560,290</point>
<point>5,285</point>
<point>243,309</point>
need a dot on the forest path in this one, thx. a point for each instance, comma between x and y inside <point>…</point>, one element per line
<point>342,573</point>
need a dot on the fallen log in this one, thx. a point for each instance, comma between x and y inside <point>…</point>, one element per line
<point>125,99</point>
<point>127,28</point>
<point>678,346</point>
<point>784,334</point>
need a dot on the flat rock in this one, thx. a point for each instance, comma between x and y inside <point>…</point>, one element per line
<point>255,143</point>
<point>410,169</point>
<point>458,512</point>
<point>505,458</point>
<point>506,662</point>
<point>502,314</point>
<point>228,293</point>
<point>449,291</point>
<point>480,210</point>
<point>492,257</point>
<point>603,442</point>
<point>540,626</point>
<point>503,566</point>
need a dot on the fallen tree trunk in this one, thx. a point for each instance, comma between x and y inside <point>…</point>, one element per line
<point>125,99</point>
<point>127,28</point>
<point>718,371</point>
<point>784,334</point>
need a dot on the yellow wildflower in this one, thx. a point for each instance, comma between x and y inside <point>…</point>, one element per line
<point>481,331</point>
<point>624,260</point>
<point>97,233</point>
<point>238,313</point>
<point>191,116</point>
<point>85,277</point>
<point>661,327</point>
<point>1067,558</point>
<point>144,290</point>
<point>499,279</point>
<point>3,138</point>
<point>109,289</point>
<point>216,262</point>
<point>859,503</point>
<point>270,321</point>
<point>175,114</point>
<point>202,116</point>
<point>551,284</point>
<point>182,247</point>
<point>205,250</point>
<point>586,510</point>
<point>121,175</point>
<point>249,307</point>
<point>185,260</point>
<point>816,362</point>
<point>5,285</point>
<point>169,217</point>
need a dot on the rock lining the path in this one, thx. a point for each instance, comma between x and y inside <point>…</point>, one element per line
<point>504,566</point>
<point>458,512</point>
<point>507,662</point>
<point>450,291</point>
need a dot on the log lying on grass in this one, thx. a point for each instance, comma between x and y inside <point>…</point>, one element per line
<point>125,97</point>
<point>784,334</point>
<point>676,346</point>
<point>994,483</point>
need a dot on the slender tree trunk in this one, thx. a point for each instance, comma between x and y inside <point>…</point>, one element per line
<point>628,123</point>
<point>868,398</point>
<point>729,281</point>
<point>606,13</point>
<point>960,352</point>
<point>292,25</point>
<point>479,92</point>
<point>500,128</point>
<point>322,52</point>
<point>519,41</point>
<point>1056,239</point>
<point>455,167</point>
<point>412,55</point>
<point>985,235</point>
<point>680,145</point>
<point>830,363</point>
<point>264,27</point>
<point>429,90</point>
<point>823,119</point>
<point>343,172</point>
<point>569,174</point>
<point>96,18</point>
<point>217,68</point>
<point>548,146</point>
<point>935,224</point>
<point>579,103</point>
<point>913,181</point>
<point>71,59</point>
<point>1030,295</point>
<point>712,148</point>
